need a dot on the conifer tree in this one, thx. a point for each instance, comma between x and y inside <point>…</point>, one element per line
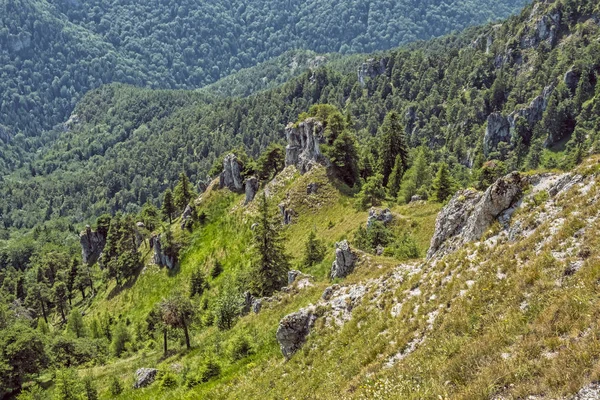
<point>59,296</point>
<point>372,193</point>
<point>183,193</point>
<point>75,325</point>
<point>197,283</point>
<point>395,178</point>
<point>442,185</point>
<point>343,154</point>
<point>271,161</point>
<point>168,206</point>
<point>314,251</point>
<point>270,262</point>
<point>393,144</point>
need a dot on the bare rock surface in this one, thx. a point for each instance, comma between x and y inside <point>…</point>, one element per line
<point>345,260</point>
<point>231,177</point>
<point>303,141</point>
<point>92,244</point>
<point>144,377</point>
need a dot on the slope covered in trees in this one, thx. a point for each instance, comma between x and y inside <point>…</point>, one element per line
<point>53,51</point>
<point>454,95</point>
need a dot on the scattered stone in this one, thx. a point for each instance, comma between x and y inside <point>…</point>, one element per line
<point>256,306</point>
<point>231,177</point>
<point>292,275</point>
<point>293,330</point>
<point>92,244</point>
<point>416,198</point>
<point>376,214</point>
<point>379,250</point>
<point>144,377</point>
<point>589,392</point>
<point>140,225</point>
<point>345,260</point>
<point>251,189</point>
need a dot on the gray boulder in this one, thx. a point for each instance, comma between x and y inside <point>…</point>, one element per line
<point>293,330</point>
<point>572,80</point>
<point>303,149</point>
<point>231,177</point>
<point>371,68</point>
<point>92,243</point>
<point>159,257</point>
<point>345,260</point>
<point>187,217</point>
<point>144,377</point>
<point>416,198</point>
<point>470,213</point>
<point>251,189</point>
<point>377,214</point>
<point>292,276</point>
<point>203,184</point>
<point>286,213</point>
<point>497,130</point>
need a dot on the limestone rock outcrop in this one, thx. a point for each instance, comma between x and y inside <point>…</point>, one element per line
<point>470,213</point>
<point>571,79</point>
<point>187,217</point>
<point>345,260</point>
<point>293,330</point>
<point>231,177</point>
<point>312,188</point>
<point>541,28</point>
<point>203,184</point>
<point>371,68</point>
<point>532,114</point>
<point>250,303</point>
<point>92,244</point>
<point>303,140</point>
<point>498,130</point>
<point>376,214</point>
<point>251,189</point>
<point>286,213</point>
<point>144,377</point>
<point>159,257</point>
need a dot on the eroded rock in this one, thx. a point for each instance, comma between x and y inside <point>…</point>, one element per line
<point>144,377</point>
<point>377,214</point>
<point>303,149</point>
<point>470,213</point>
<point>92,244</point>
<point>293,330</point>
<point>159,257</point>
<point>312,188</point>
<point>231,177</point>
<point>251,189</point>
<point>345,260</point>
<point>497,130</point>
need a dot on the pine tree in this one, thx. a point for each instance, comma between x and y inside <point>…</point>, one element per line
<point>314,250</point>
<point>168,206</point>
<point>75,325</point>
<point>270,263</point>
<point>416,178</point>
<point>443,185</point>
<point>372,193</point>
<point>67,386</point>
<point>271,161</point>
<point>197,283</point>
<point>182,194</point>
<point>59,296</point>
<point>120,255</point>
<point>72,280</point>
<point>89,388</point>
<point>343,155</point>
<point>393,144</point>
<point>396,177</point>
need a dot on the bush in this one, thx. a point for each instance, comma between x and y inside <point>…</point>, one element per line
<point>216,269</point>
<point>368,239</point>
<point>89,387</point>
<point>115,388</point>
<point>168,380</point>
<point>211,370</point>
<point>240,348</point>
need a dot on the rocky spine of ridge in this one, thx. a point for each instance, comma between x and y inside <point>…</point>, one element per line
<point>303,149</point>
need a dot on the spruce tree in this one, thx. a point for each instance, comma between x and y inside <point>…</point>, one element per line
<point>395,178</point>
<point>270,262</point>
<point>372,193</point>
<point>183,193</point>
<point>393,144</point>
<point>59,296</point>
<point>75,325</point>
<point>271,161</point>
<point>168,206</point>
<point>197,283</point>
<point>314,250</point>
<point>443,185</point>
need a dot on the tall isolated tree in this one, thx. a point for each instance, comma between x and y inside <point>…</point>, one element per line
<point>183,193</point>
<point>443,185</point>
<point>176,312</point>
<point>270,263</point>
<point>59,296</point>
<point>168,206</point>
<point>343,154</point>
<point>393,144</point>
<point>271,161</point>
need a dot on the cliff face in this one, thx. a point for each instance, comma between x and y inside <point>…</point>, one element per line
<point>303,149</point>
<point>92,244</point>
<point>231,177</point>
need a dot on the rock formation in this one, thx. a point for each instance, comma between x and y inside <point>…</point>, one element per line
<point>203,184</point>
<point>303,140</point>
<point>159,257</point>
<point>371,68</point>
<point>187,217</point>
<point>293,330</point>
<point>470,213</point>
<point>144,377</point>
<point>231,177</point>
<point>498,130</point>
<point>571,79</point>
<point>251,189</point>
<point>376,214</point>
<point>312,188</point>
<point>286,213</point>
<point>92,244</point>
<point>345,260</point>
<point>532,114</point>
<point>541,28</point>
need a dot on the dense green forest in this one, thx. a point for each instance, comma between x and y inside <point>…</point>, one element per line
<point>129,144</point>
<point>52,52</point>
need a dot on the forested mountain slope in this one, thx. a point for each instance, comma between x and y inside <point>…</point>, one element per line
<point>513,93</point>
<point>53,51</point>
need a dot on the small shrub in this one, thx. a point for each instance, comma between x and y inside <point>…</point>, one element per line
<point>211,370</point>
<point>115,388</point>
<point>89,387</point>
<point>216,270</point>
<point>168,380</point>
<point>240,348</point>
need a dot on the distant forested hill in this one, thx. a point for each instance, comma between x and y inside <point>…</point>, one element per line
<point>53,51</point>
